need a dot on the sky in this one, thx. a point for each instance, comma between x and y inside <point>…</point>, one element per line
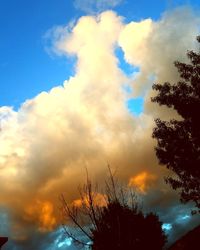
<point>75,85</point>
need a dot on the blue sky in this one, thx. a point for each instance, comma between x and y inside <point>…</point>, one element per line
<point>45,143</point>
<point>26,68</point>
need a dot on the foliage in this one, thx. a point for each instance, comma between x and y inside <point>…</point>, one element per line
<point>117,224</point>
<point>121,227</point>
<point>178,141</point>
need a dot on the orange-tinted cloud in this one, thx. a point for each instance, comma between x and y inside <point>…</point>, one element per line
<point>142,181</point>
<point>43,212</point>
<point>97,198</point>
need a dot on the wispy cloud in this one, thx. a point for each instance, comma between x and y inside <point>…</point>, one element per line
<point>92,6</point>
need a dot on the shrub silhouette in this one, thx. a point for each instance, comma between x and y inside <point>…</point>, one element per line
<point>121,227</point>
<point>117,225</point>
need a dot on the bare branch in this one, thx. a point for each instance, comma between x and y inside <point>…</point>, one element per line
<point>70,235</point>
<point>70,213</point>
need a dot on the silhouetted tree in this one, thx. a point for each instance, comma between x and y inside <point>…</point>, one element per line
<point>117,224</point>
<point>121,227</point>
<point>3,240</point>
<point>179,140</point>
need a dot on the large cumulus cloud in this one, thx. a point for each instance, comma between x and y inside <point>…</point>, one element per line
<point>46,144</point>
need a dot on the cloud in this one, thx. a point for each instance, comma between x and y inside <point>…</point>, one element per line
<point>92,6</point>
<point>152,50</point>
<point>99,199</point>
<point>46,144</point>
<point>43,211</point>
<point>142,181</point>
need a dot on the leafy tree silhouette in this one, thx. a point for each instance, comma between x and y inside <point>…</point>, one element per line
<point>117,225</point>
<point>178,141</point>
<point>121,227</point>
<point>3,240</point>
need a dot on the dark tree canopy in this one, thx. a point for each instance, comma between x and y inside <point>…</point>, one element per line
<point>117,225</point>
<point>121,227</point>
<point>178,141</point>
